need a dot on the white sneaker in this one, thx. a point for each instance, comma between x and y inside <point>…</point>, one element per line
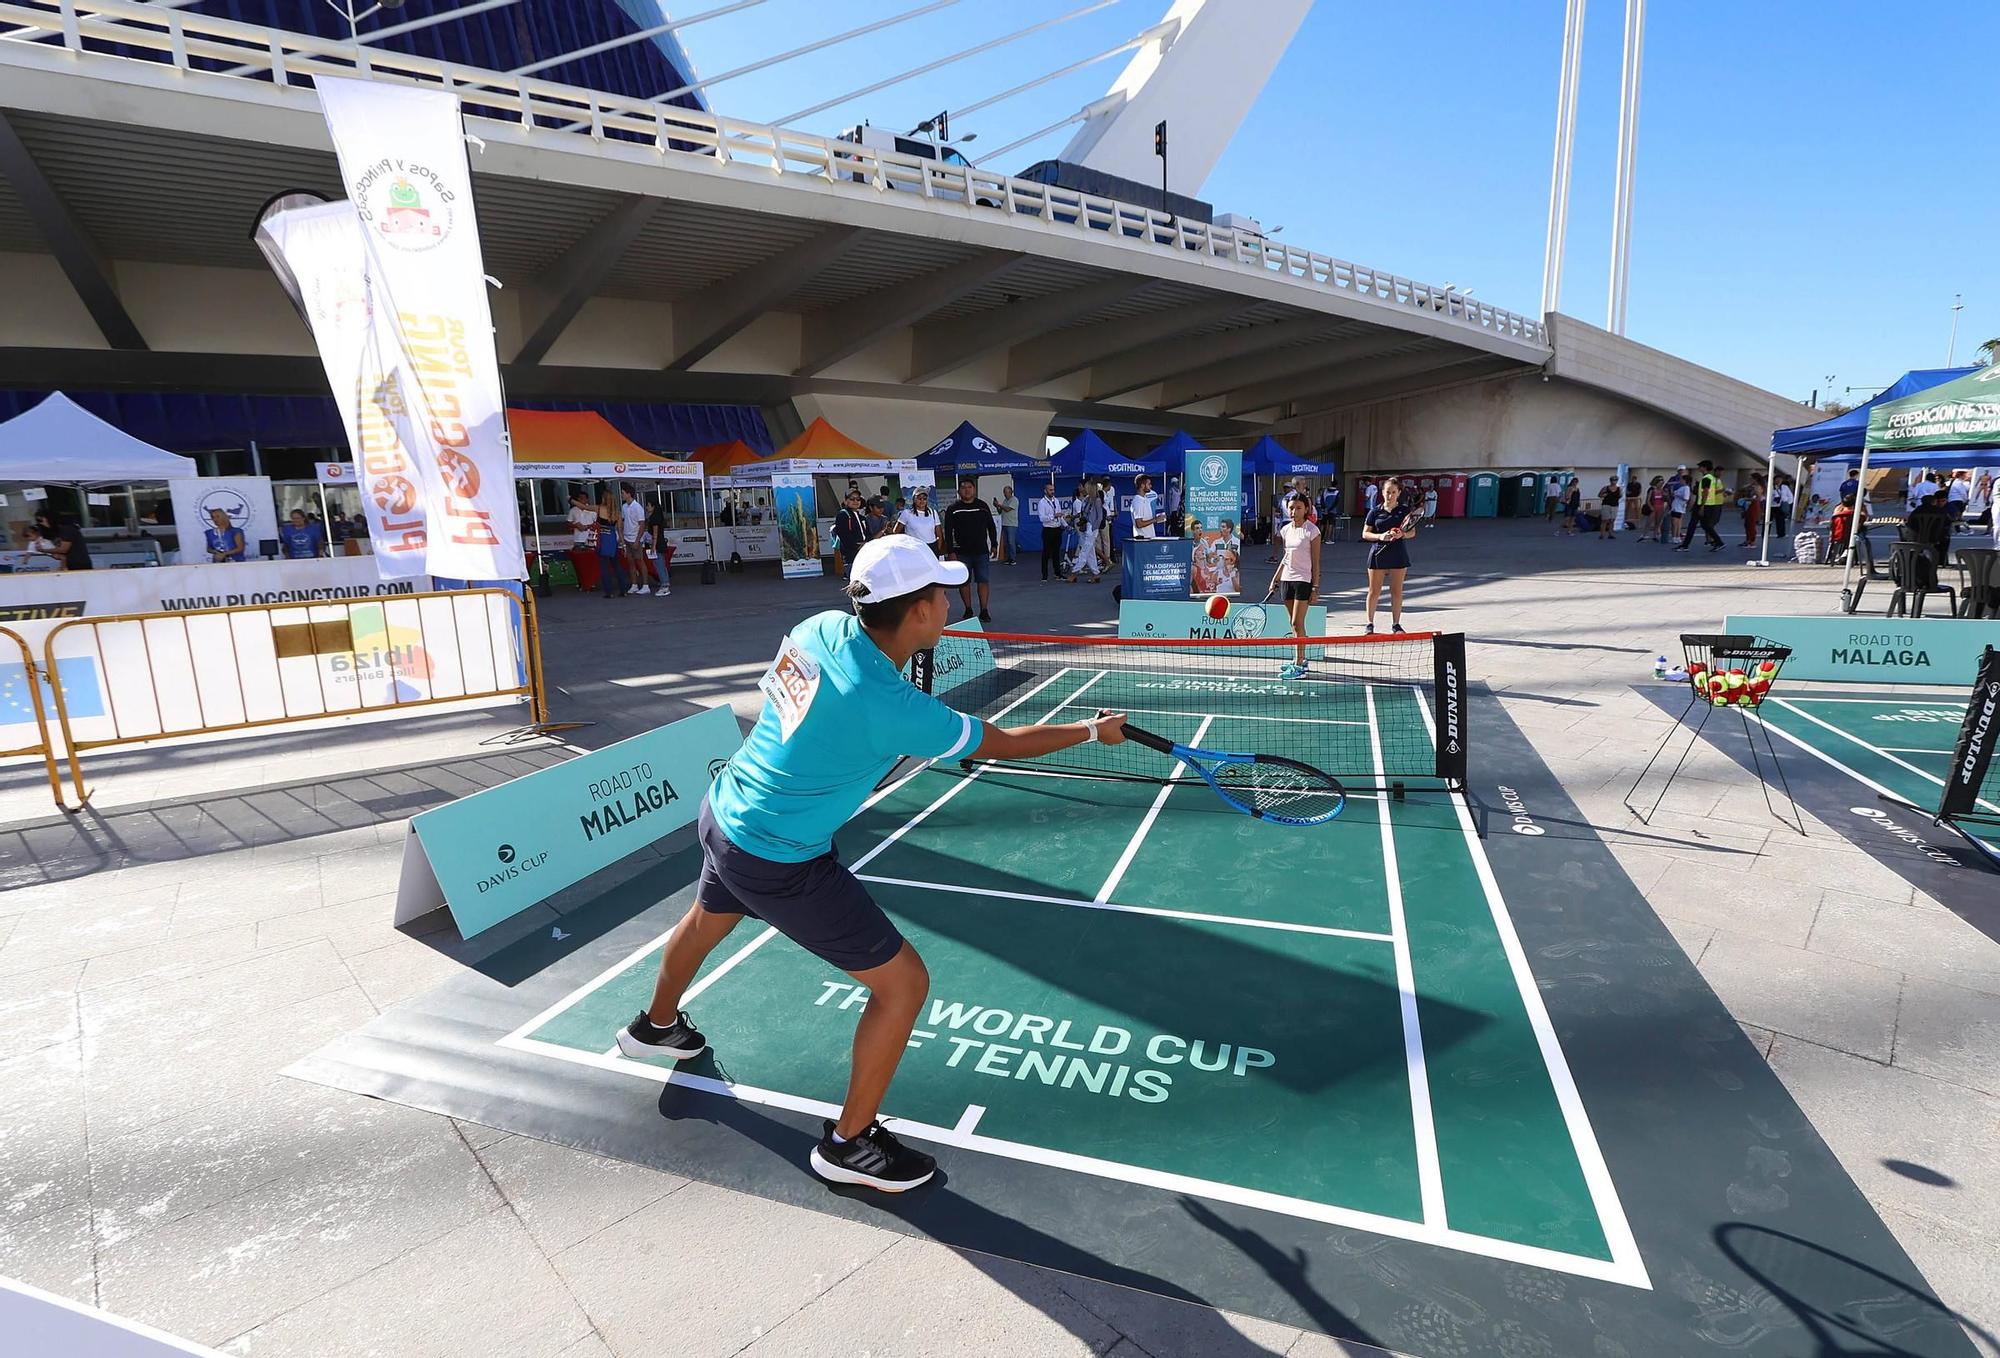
<point>642,590</point>
<point>663,591</point>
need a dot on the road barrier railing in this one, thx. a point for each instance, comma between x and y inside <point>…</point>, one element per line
<point>33,712</point>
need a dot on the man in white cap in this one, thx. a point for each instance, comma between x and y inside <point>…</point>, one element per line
<point>838,714</point>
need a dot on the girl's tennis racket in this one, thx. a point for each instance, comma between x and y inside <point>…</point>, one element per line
<point>1266,786</point>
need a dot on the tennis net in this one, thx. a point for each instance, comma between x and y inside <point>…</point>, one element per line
<point>1375,711</point>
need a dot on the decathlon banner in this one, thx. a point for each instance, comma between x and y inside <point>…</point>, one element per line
<point>1972,753</point>
<point>317,251</point>
<point>1211,495</point>
<point>402,157</point>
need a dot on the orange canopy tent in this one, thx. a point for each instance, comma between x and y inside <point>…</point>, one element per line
<point>822,440</point>
<point>718,458</point>
<point>583,445</point>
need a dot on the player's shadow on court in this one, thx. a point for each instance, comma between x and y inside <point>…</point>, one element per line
<point>1846,1306</point>
<point>1014,1253</point>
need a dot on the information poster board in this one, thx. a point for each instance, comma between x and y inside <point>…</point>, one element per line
<point>1156,568</point>
<point>1212,490</point>
<point>798,526</point>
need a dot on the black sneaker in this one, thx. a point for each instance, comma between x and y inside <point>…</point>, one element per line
<point>1396,627</point>
<point>984,616</point>
<point>875,1159</point>
<point>677,1041</point>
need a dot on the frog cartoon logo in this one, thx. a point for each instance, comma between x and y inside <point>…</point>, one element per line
<point>410,210</point>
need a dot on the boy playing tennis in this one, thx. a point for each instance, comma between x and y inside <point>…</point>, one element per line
<point>838,714</point>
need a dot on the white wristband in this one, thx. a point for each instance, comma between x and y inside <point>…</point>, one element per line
<point>1090,730</point>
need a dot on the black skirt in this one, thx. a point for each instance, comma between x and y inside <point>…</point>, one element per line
<point>1389,556</point>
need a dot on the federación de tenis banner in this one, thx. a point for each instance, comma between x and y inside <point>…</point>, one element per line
<point>402,158</point>
<point>792,500</point>
<point>316,249</point>
<point>1211,495</point>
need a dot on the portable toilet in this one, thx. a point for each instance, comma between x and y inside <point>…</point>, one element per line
<point>1451,495</point>
<point>1482,495</point>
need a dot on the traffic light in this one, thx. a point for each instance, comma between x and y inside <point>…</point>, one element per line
<point>1160,139</point>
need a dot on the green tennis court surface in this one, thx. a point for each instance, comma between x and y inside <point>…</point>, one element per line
<point>1897,744</point>
<point>1133,982</point>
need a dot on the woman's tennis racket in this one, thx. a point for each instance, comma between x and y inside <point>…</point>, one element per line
<point>1266,786</point>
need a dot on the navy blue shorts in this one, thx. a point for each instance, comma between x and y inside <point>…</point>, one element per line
<point>1296,590</point>
<point>979,565</point>
<point>818,904</point>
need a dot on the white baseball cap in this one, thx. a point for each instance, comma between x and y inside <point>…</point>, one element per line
<point>897,565</point>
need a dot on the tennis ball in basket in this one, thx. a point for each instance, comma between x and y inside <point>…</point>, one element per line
<point>1736,679</point>
<point>1722,700</point>
<point>1697,668</point>
<point>1767,670</point>
<point>1218,607</point>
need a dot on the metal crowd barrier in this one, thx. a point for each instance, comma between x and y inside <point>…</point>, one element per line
<point>31,674</point>
<point>170,675</point>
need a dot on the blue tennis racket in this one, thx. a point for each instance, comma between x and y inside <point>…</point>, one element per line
<point>1266,786</point>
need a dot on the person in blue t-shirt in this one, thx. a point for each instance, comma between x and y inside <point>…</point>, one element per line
<point>837,715</point>
<point>301,540</point>
<point>225,539</point>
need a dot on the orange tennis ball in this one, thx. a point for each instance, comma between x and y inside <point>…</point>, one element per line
<point>1218,607</point>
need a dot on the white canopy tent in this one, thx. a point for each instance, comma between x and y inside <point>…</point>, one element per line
<point>60,443</point>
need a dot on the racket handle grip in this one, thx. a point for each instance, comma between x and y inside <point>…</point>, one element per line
<point>1146,738</point>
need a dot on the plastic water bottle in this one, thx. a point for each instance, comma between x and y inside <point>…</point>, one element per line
<point>1660,667</point>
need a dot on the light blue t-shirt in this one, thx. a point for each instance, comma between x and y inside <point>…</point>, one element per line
<point>837,714</point>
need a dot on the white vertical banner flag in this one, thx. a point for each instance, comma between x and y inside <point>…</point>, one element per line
<point>317,251</point>
<point>402,157</point>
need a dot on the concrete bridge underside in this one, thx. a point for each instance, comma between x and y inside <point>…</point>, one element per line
<point>127,200</point>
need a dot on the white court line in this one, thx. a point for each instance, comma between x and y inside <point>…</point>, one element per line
<point>1430,1178</point>
<point>1912,749</point>
<point>1507,1251</point>
<point>1857,740</point>
<point>1163,912</point>
<point>1146,822</point>
<point>967,781</point>
<point>1240,716</point>
<point>968,1119</point>
<point>1626,1265</point>
<point>1891,701</point>
<point>1019,771</point>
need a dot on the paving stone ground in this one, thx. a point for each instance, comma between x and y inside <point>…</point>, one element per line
<point>224,909</point>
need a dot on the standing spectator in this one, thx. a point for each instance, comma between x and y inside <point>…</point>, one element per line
<point>1389,559</point>
<point>1607,507</point>
<point>1572,505</point>
<point>1651,501</point>
<point>64,541</point>
<point>1921,490</point>
<point>1089,524</point>
<point>631,524</point>
<point>970,536</point>
<point>1980,502</point>
<point>1680,502</point>
<point>919,522</point>
<point>1753,512</point>
<point>1957,494</point>
<point>1633,493</point>
<point>583,539</point>
<point>850,530</point>
<point>1172,527</point>
<point>876,522</point>
<point>1329,506</point>
<point>1851,486</point>
<point>1049,516</point>
<point>1145,510</point>
<point>612,577</point>
<point>1431,506</point>
<point>1554,496</point>
<point>1371,493</point>
<point>658,551</point>
<point>224,539</point>
<point>1104,509</point>
<point>1783,497</point>
<point>1010,524</point>
<point>300,539</point>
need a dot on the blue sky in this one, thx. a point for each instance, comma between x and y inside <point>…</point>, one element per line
<point>1815,180</point>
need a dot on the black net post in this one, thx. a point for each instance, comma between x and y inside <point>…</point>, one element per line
<point>1966,784</point>
<point>1448,693</point>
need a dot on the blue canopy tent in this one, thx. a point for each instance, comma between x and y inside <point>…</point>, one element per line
<point>967,451</point>
<point>1268,457</point>
<point>1089,455</point>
